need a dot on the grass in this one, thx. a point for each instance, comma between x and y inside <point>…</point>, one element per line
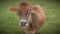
<point>9,20</point>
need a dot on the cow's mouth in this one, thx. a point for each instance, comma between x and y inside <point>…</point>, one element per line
<point>24,27</point>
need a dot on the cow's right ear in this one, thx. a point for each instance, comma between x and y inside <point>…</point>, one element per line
<point>12,9</point>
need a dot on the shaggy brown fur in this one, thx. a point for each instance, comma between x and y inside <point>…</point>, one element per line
<point>37,17</point>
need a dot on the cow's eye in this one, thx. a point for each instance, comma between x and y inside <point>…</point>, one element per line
<point>28,11</point>
<point>18,12</point>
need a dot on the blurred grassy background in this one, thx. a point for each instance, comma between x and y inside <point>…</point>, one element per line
<point>9,20</point>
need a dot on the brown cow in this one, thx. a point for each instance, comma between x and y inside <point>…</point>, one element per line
<point>31,18</point>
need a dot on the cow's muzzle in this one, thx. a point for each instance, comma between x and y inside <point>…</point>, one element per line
<point>23,23</point>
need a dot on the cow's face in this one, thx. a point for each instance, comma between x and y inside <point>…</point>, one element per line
<point>24,14</point>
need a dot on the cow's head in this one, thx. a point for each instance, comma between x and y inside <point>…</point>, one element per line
<point>24,12</point>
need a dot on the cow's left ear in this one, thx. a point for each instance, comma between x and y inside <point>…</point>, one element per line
<point>13,9</point>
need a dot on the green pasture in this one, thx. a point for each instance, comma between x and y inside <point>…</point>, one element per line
<point>9,21</point>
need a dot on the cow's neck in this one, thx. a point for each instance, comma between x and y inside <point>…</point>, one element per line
<point>33,23</point>
<point>34,19</point>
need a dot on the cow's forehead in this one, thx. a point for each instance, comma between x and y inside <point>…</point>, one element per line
<point>23,9</point>
<point>24,6</point>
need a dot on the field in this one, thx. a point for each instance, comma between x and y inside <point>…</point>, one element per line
<point>9,21</point>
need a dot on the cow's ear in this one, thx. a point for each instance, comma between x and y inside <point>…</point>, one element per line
<point>13,9</point>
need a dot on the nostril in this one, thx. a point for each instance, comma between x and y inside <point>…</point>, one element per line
<point>23,23</point>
